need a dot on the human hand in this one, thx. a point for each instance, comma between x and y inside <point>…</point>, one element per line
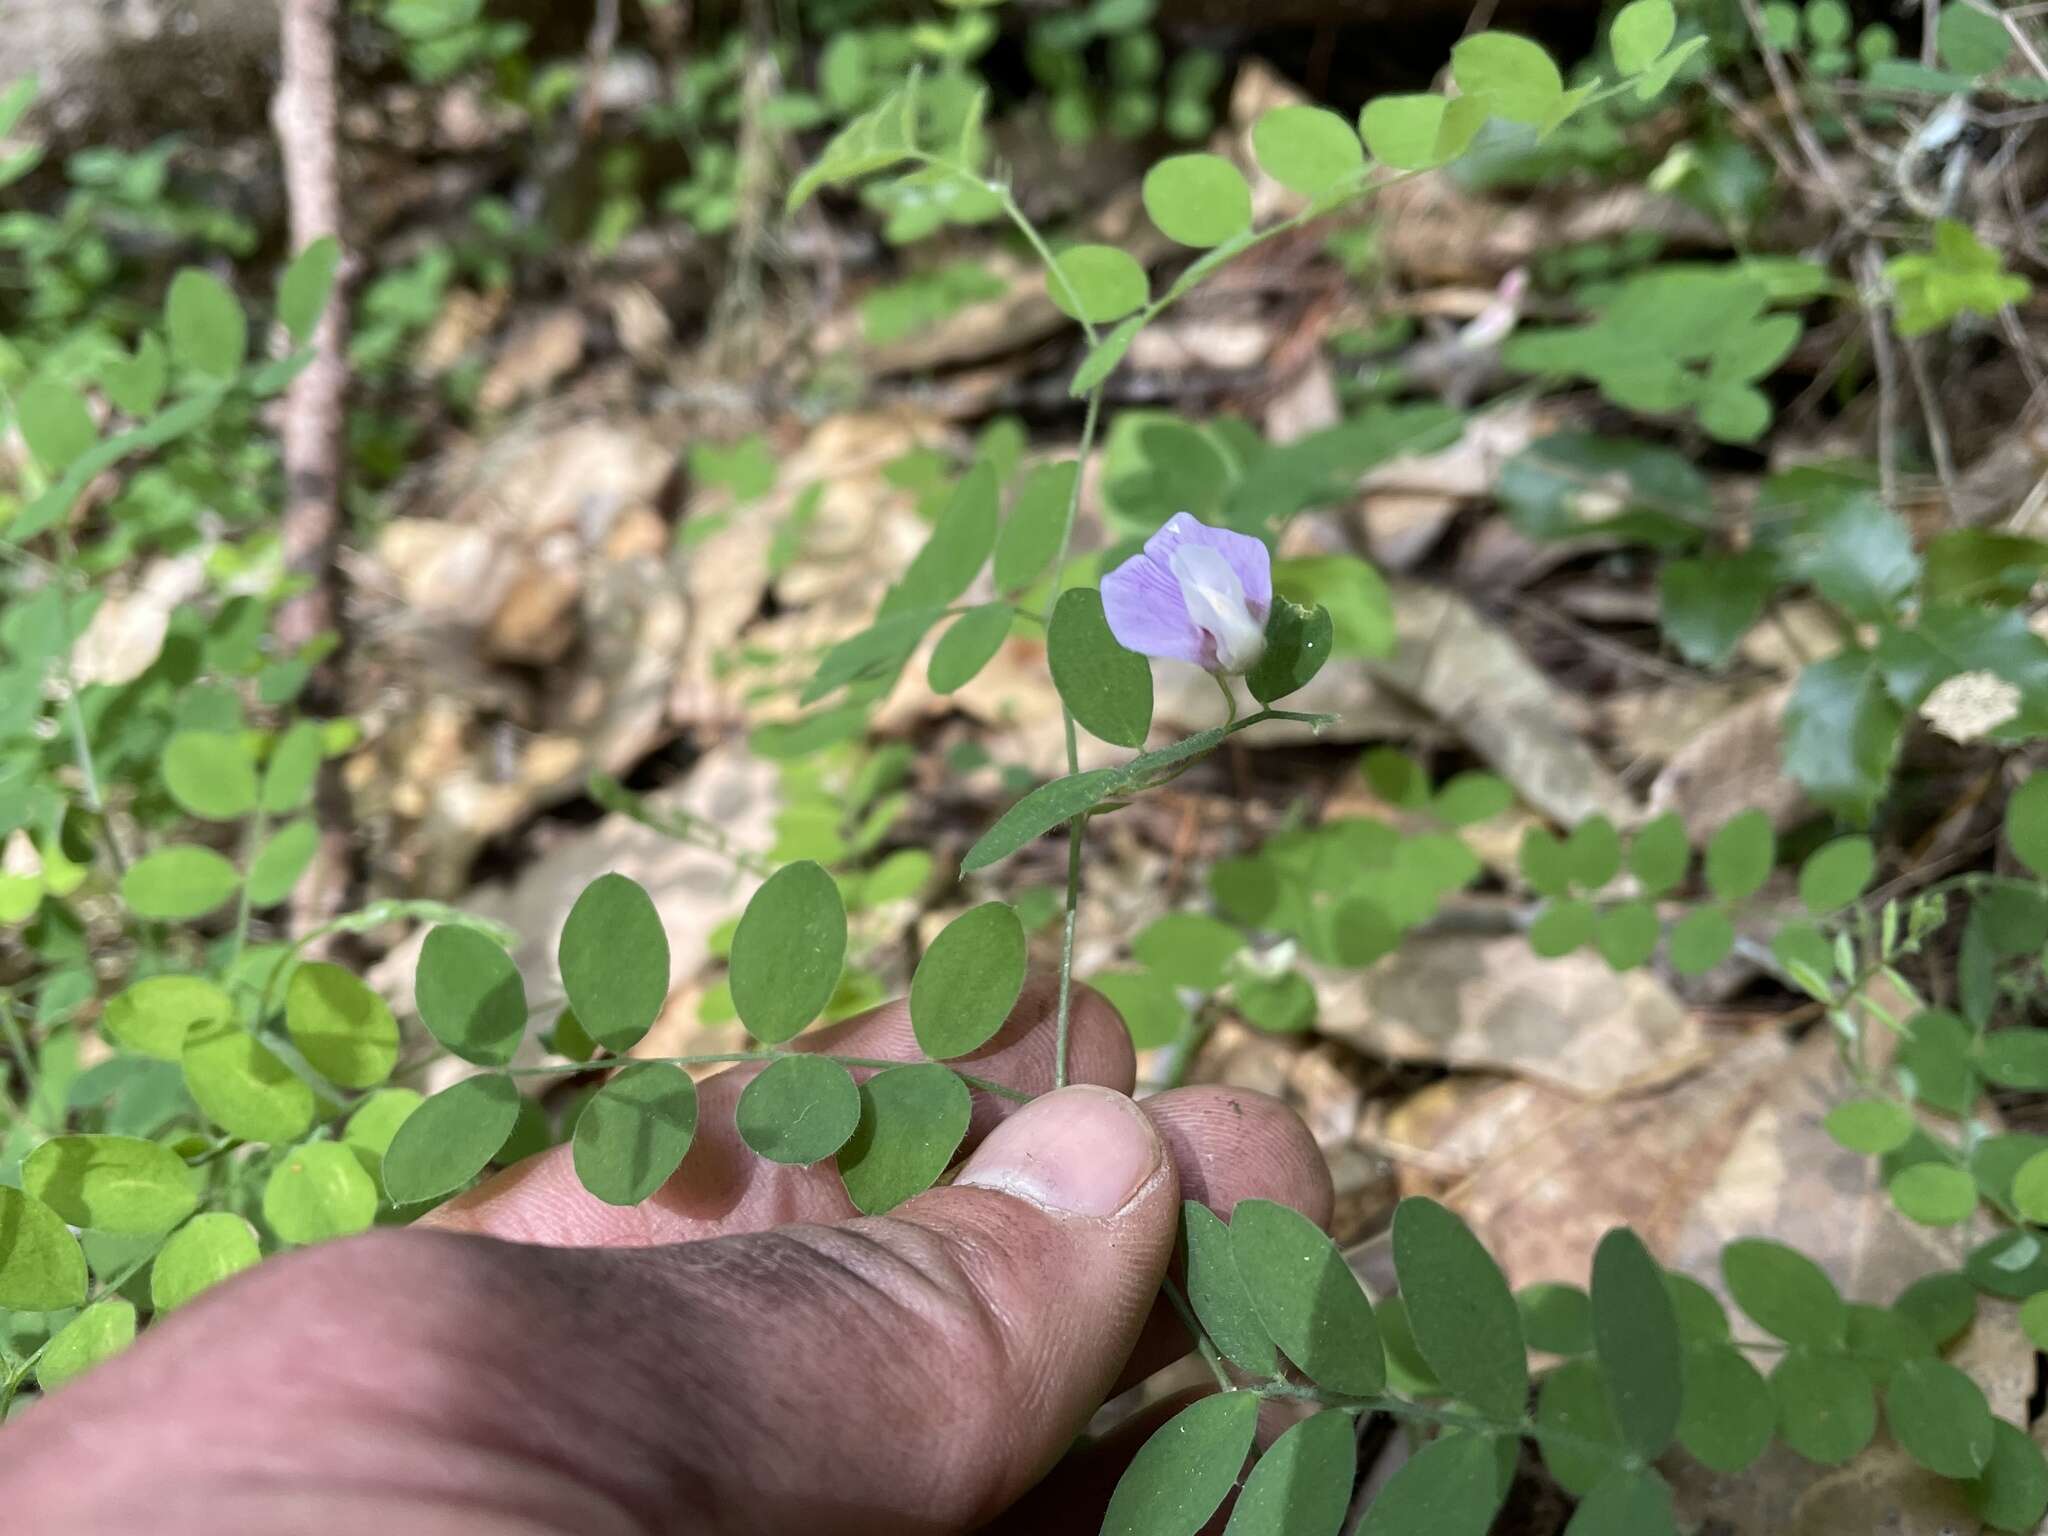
<point>741,1353</point>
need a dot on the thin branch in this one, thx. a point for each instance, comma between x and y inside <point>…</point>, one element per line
<point>1795,115</point>
<point>1937,429</point>
<point>597,54</point>
<point>304,115</point>
<point>1870,279</point>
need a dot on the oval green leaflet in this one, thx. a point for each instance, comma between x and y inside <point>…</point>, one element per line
<point>1307,149</point>
<point>294,764</point>
<point>2012,1492</point>
<point>346,1032</point>
<point>243,1086</point>
<point>912,1119</point>
<point>375,1121</point>
<point>800,1109</point>
<point>1836,873</point>
<point>274,872</point>
<point>1222,1302</point>
<point>204,320</point>
<point>119,1184</point>
<point>205,1251</point>
<point>152,1016</point>
<point>446,1142</point>
<point>303,290</point>
<point>1827,1411</point>
<point>635,1131</point>
<point>1512,76</point>
<point>1415,133</point>
<point>1188,949</point>
<point>1180,1476</point>
<point>1640,33</point>
<point>1108,689</point>
<point>1048,806</point>
<point>1870,1126</point>
<point>1700,940</point>
<point>42,1268</point>
<point>1740,856</point>
<point>1625,1503</point>
<point>1729,1415</point>
<point>1940,1416</point>
<point>1575,1428</point>
<point>968,645</point>
<point>210,774</point>
<point>2026,823</point>
<point>1934,1195</point>
<point>1659,853</point>
<point>1148,1004</point>
<point>55,423</point>
<point>1200,200</point>
<point>177,883</point>
<point>1031,535</point>
<point>1635,1338</point>
<point>1096,284</point>
<point>960,544</point>
<point>1451,1486</point>
<point>98,1333</point>
<point>1307,1298</point>
<point>1786,1293</point>
<point>614,960</point>
<point>1557,1319</point>
<point>1298,642</point>
<point>788,951</point>
<point>470,995</point>
<point>1463,1315</point>
<point>968,981</point>
<point>1302,1486</point>
<point>319,1191</point>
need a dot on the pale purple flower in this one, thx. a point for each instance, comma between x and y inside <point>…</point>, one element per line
<point>1196,594</point>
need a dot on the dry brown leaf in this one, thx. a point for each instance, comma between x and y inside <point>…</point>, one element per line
<point>863,535</point>
<point>1735,764</point>
<point>127,630</point>
<point>539,352</point>
<point>1656,724</point>
<point>1471,675</point>
<point>1493,1003</point>
<point>1434,231</point>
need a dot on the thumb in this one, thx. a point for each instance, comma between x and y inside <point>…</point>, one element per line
<point>962,1342</point>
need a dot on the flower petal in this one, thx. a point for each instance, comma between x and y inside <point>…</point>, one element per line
<point>1248,556</point>
<point>1215,601</point>
<point>1142,601</point>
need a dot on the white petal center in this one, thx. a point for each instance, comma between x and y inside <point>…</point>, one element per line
<point>1216,602</point>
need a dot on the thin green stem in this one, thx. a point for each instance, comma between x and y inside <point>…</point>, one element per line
<point>1451,1418</point>
<point>681,826</point>
<point>1064,1014</point>
<point>1064,1022</point>
<point>1229,698</point>
<point>1200,1023</point>
<point>218,1150</point>
<point>74,716</point>
<point>252,844</point>
<point>723,1058</point>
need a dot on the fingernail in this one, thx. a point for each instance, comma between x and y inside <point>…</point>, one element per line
<point>1083,1150</point>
